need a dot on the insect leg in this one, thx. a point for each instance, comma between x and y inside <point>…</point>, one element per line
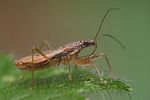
<point>33,82</point>
<point>108,62</point>
<point>70,75</point>
<point>40,52</point>
<point>99,73</point>
<point>95,47</point>
<point>86,61</point>
<point>46,43</point>
<point>35,49</point>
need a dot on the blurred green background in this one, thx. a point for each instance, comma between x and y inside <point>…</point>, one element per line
<point>27,23</point>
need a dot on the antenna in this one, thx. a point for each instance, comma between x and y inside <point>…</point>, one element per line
<point>115,39</point>
<point>101,24</point>
<point>96,38</point>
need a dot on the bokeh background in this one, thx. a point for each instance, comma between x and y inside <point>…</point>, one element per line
<point>26,23</point>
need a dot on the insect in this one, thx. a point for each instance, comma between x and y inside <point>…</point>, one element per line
<point>66,55</point>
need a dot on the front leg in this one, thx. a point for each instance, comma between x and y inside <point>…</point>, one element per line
<point>108,62</point>
<point>95,47</point>
<point>86,61</point>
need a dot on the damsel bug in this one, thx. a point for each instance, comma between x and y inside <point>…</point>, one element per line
<point>65,55</point>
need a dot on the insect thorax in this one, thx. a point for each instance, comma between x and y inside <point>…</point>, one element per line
<point>79,45</point>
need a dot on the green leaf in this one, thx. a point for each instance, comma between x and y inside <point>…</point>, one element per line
<point>53,84</point>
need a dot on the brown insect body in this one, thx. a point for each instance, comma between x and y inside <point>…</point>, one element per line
<point>62,55</point>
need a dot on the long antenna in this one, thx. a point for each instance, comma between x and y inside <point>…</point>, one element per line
<point>115,39</point>
<point>101,24</point>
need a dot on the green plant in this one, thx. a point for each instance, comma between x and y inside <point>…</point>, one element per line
<point>53,84</point>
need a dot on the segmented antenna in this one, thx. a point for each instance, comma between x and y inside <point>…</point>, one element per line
<point>101,24</point>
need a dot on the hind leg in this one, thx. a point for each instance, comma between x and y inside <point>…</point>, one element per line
<point>45,43</point>
<point>35,49</point>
